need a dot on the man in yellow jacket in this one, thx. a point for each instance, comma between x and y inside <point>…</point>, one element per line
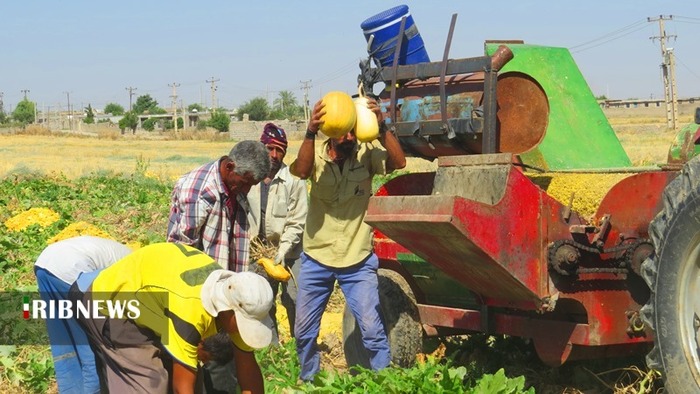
<point>177,296</point>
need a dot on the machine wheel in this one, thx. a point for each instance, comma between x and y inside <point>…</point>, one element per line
<point>673,275</point>
<point>401,322</point>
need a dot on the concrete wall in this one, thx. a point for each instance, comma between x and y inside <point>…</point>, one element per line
<point>251,130</point>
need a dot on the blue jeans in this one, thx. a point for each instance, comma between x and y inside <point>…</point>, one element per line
<point>359,284</point>
<point>73,358</point>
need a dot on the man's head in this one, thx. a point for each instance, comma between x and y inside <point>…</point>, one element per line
<point>217,347</point>
<point>346,144</point>
<point>246,165</point>
<point>275,140</point>
<point>241,302</point>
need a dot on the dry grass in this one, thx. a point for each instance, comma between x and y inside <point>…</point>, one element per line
<point>77,156</point>
<point>166,157</point>
<point>169,155</point>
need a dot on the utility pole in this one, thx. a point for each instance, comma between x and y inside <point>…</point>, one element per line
<point>674,89</point>
<point>306,85</point>
<point>213,92</point>
<point>174,102</point>
<point>70,112</point>
<point>185,116</point>
<point>25,91</point>
<point>131,94</point>
<point>667,71</point>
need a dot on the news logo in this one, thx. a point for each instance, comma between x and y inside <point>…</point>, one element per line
<point>39,311</point>
<point>77,309</point>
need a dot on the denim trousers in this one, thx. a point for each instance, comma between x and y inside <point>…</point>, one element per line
<point>73,358</point>
<point>359,284</point>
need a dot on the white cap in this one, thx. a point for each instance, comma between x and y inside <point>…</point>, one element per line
<point>249,295</point>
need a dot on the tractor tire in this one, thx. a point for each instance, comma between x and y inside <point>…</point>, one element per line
<point>673,275</point>
<point>401,322</point>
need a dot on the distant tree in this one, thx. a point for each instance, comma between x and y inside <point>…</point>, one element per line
<point>180,123</point>
<point>129,121</point>
<point>285,107</point>
<point>195,108</point>
<point>89,115</point>
<point>114,109</point>
<point>220,120</point>
<point>3,116</point>
<point>24,112</point>
<point>257,109</point>
<point>157,111</point>
<point>601,97</point>
<point>145,104</point>
<point>149,124</point>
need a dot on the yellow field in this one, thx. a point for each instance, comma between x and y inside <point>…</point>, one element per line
<point>77,156</point>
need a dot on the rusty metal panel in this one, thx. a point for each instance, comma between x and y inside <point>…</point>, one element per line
<point>494,250</point>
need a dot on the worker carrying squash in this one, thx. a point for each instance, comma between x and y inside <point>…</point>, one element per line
<point>337,242</point>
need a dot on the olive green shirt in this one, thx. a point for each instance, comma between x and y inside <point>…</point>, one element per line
<point>336,234</point>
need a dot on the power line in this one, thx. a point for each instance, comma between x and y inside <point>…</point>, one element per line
<point>679,18</point>
<point>679,60</point>
<point>609,37</point>
<point>613,33</point>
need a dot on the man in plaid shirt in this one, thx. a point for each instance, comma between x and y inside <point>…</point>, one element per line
<point>209,206</point>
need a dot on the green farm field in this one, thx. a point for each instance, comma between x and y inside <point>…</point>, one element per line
<point>120,185</point>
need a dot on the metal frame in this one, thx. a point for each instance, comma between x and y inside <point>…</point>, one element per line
<point>397,73</point>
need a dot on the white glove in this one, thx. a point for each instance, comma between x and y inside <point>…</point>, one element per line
<point>281,253</point>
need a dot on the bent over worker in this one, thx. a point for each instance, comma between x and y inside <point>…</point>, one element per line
<point>183,297</point>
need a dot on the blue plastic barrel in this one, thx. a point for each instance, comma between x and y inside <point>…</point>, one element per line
<point>382,30</point>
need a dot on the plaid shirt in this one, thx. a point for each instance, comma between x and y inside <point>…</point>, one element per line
<point>200,216</point>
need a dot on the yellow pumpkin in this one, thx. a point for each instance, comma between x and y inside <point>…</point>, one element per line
<point>367,127</point>
<point>274,271</point>
<point>340,114</point>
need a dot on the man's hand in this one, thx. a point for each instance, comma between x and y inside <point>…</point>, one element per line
<point>281,254</point>
<point>315,122</point>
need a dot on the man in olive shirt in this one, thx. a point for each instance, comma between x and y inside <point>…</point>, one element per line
<point>337,242</point>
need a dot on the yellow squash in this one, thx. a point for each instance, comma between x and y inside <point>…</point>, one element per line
<point>274,271</point>
<point>340,114</point>
<point>366,128</point>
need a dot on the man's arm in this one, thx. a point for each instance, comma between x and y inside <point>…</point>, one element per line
<point>396,158</point>
<point>248,372</point>
<point>304,163</point>
<point>183,378</point>
<point>187,217</point>
<point>297,207</point>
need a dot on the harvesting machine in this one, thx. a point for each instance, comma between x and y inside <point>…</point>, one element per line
<point>535,223</point>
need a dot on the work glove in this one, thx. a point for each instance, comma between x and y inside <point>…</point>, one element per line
<point>281,254</point>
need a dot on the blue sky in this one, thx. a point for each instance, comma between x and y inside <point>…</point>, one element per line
<point>94,50</point>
